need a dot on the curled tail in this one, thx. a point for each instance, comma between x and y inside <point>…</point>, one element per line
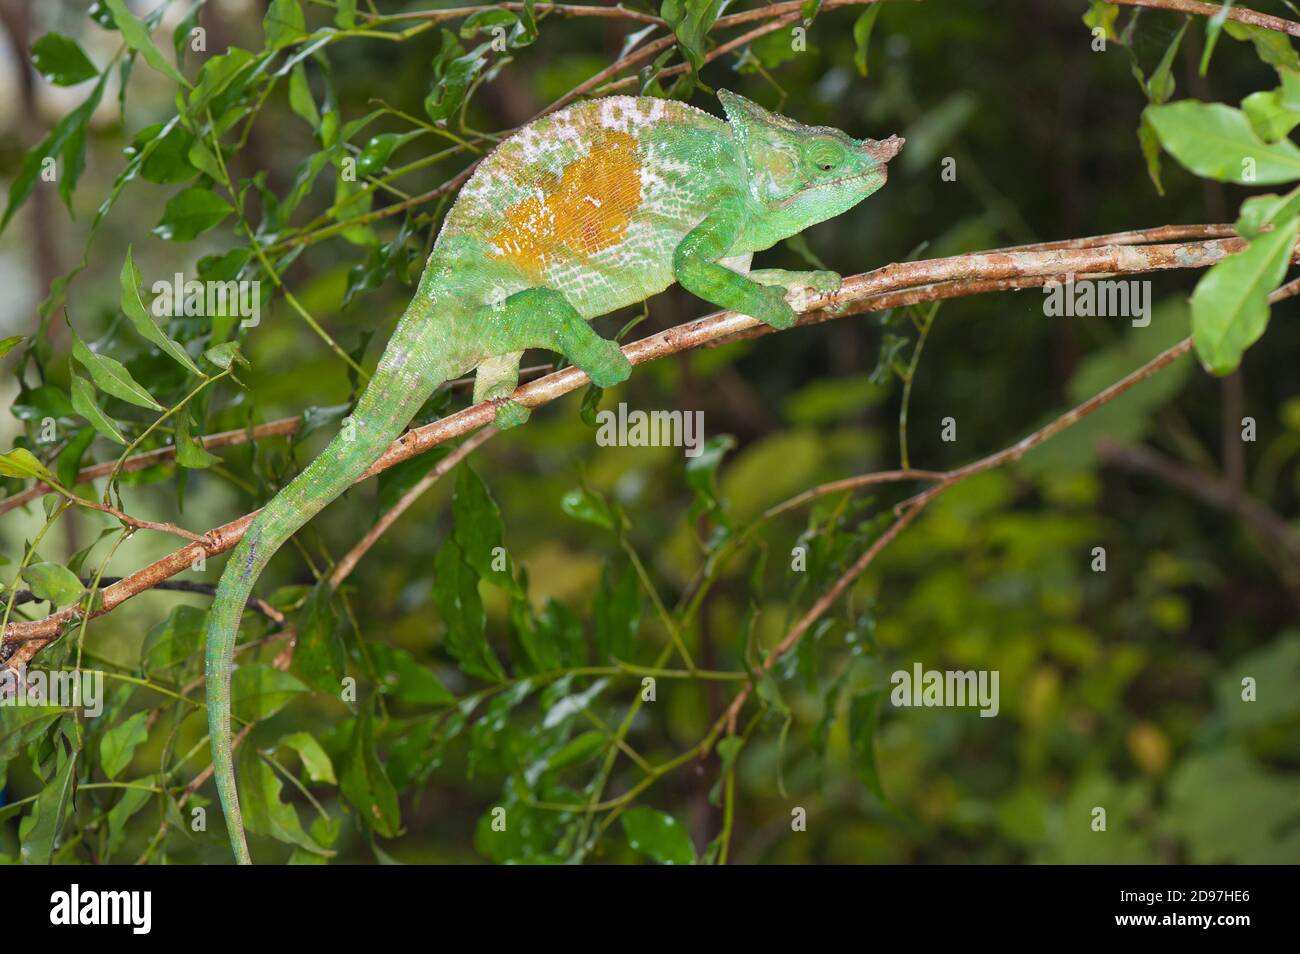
<point>406,376</point>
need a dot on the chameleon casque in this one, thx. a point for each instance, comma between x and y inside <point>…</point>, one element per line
<point>576,215</point>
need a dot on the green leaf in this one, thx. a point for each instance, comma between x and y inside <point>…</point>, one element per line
<point>401,677</point>
<point>189,452</point>
<point>300,99</point>
<point>1102,14</point>
<point>283,24</point>
<point>22,725</point>
<point>101,15</point>
<point>8,344</point>
<point>40,831</point>
<point>1230,305</point>
<point>314,759</point>
<point>264,812</point>
<point>702,476</point>
<point>453,71</point>
<point>223,354</point>
<point>134,309</point>
<point>1160,86</point>
<point>365,784</point>
<point>53,582</point>
<point>132,800</point>
<point>163,150</point>
<point>225,73</point>
<point>20,462</point>
<point>455,592</point>
<point>1271,47</point>
<point>181,34</point>
<point>66,141</point>
<point>616,609</point>
<point>136,35</point>
<point>68,463</point>
<point>478,530</point>
<point>1268,117</point>
<point>111,376</point>
<point>658,835</point>
<point>1213,27</point>
<point>118,746</point>
<point>376,152</point>
<point>862,28</point>
<point>1259,212</point>
<point>319,657</point>
<point>175,639</point>
<point>190,213</point>
<point>691,21</point>
<point>587,506</point>
<point>1218,142</point>
<point>864,715</point>
<point>258,692</point>
<point>61,61</point>
<point>83,402</point>
<point>345,14</point>
<point>577,750</point>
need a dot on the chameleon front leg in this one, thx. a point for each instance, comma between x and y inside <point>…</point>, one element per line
<point>540,318</point>
<point>696,266</point>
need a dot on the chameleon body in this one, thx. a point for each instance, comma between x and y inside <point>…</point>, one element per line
<point>576,215</point>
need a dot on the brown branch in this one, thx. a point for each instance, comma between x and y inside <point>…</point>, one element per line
<point>618,12</point>
<point>991,266</point>
<point>135,523</point>
<point>1240,14</point>
<point>910,509</point>
<point>289,425</point>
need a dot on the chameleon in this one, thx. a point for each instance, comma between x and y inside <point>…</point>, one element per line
<point>581,212</point>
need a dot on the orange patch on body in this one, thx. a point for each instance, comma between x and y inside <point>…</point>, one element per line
<point>584,210</point>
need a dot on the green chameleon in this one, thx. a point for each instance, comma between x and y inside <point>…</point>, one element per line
<point>578,214</point>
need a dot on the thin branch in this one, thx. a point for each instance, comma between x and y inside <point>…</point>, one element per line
<point>1240,14</point>
<point>135,523</point>
<point>993,266</point>
<point>618,12</point>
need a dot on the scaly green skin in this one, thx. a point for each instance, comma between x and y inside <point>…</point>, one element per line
<point>577,215</point>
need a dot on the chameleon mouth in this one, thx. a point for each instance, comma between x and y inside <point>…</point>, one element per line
<point>880,171</point>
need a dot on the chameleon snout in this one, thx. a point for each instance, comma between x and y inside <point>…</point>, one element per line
<point>885,150</point>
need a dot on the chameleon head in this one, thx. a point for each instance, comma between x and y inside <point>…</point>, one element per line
<point>800,175</point>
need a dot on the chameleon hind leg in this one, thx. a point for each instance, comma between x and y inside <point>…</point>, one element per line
<point>540,318</point>
<point>496,379</point>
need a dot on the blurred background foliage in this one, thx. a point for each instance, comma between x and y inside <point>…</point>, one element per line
<point>1118,689</point>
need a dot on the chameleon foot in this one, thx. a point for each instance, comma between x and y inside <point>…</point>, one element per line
<point>774,310</point>
<point>608,366</point>
<point>511,414</point>
<point>822,281</point>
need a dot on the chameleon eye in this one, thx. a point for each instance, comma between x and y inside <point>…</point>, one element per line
<point>825,154</point>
